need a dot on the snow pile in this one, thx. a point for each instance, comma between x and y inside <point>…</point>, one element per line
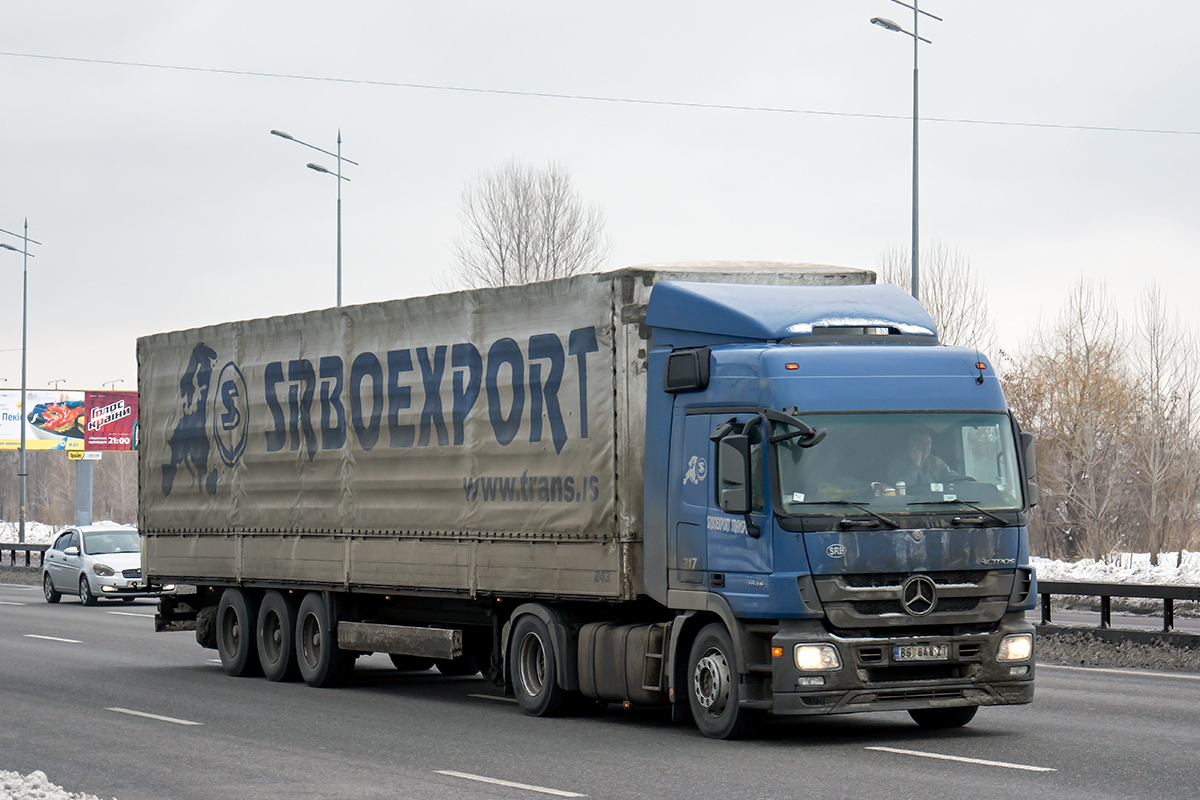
<point>1123,568</point>
<point>35,532</point>
<point>35,786</point>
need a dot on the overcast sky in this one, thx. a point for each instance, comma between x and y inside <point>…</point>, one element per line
<point>162,202</point>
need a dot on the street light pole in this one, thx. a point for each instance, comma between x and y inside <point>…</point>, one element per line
<point>340,178</point>
<point>22,472</point>
<point>887,24</point>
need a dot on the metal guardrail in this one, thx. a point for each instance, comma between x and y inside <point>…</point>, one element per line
<point>1106,591</point>
<point>12,548</point>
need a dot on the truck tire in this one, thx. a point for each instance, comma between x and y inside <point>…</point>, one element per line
<point>943,718</point>
<point>533,666</point>
<point>713,688</point>
<point>410,663</point>
<point>237,618</point>
<point>322,663</point>
<point>276,637</point>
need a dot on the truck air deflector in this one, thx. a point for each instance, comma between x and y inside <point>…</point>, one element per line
<point>682,312</point>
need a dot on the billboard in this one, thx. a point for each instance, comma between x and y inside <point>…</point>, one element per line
<point>68,420</point>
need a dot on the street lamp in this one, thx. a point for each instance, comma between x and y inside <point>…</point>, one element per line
<point>888,25</point>
<point>340,177</point>
<point>22,473</point>
<point>56,383</point>
<point>112,385</point>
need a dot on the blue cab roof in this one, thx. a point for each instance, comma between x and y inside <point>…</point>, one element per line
<point>685,314</point>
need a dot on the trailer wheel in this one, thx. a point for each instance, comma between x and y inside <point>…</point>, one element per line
<point>237,615</point>
<point>943,718</point>
<point>533,666</point>
<point>713,689</point>
<point>322,663</point>
<point>276,639</point>
<point>410,663</point>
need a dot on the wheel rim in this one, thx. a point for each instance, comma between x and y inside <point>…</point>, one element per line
<point>310,640</point>
<point>532,665</point>
<point>710,682</point>
<point>85,593</point>
<point>272,636</point>
<point>231,633</point>
<point>47,587</point>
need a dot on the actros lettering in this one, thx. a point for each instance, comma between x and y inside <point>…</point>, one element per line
<point>314,405</point>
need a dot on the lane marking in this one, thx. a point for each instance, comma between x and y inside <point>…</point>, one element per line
<point>494,697</point>
<point>52,638</point>
<point>497,782</point>
<point>984,762</point>
<point>8,603</point>
<point>129,614</point>
<point>153,716</point>
<point>1129,672</point>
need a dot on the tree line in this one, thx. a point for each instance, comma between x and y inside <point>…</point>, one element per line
<point>50,488</point>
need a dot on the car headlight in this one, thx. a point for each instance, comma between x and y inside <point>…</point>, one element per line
<point>1015,647</point>
<point>103,571</point>
<point>817,656</point>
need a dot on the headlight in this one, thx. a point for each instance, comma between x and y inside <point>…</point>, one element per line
<point>103,571</point>
<point>817,656</point>
<point>1015,647</point>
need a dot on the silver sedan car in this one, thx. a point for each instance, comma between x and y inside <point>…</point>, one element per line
<point>97,561</point>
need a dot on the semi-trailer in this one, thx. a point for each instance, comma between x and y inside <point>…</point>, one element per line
<point>732,489</point>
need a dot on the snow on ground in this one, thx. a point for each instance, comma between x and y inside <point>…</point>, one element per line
<point>35,532</point>
<point>1123,568</point>
<point>35,786</point>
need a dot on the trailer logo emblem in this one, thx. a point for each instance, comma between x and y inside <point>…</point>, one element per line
<point>835,550</point>
<point>230,415</point>
<point>918,595</point>
<point>696,471</point>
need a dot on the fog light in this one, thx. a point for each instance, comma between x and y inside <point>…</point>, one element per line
<point>817,656</point>
<point>168,587</point>
<point>1019,670</point>
<point>108,588</point>
<point>1015,647</point>
<point>810,680</point>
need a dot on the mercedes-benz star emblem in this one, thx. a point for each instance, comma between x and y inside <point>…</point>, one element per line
<point>918,595</point>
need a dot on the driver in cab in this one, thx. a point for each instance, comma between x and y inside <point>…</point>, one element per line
<point>916,466</point>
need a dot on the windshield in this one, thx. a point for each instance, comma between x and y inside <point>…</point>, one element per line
<point>95,544</point>
<point>902,462</point>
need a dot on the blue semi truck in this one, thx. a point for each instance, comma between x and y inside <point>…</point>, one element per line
<point>729,489</point>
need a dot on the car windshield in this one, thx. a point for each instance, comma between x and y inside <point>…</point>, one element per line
<point>901,462</point>
<point>95,544</point>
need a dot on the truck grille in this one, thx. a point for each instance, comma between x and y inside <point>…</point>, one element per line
<point>859,601</point>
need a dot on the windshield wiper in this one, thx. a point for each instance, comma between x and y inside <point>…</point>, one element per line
<point>860,507</point>
<point>971,506</point>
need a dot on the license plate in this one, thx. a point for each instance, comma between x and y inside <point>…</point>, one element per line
<point>921,652</point>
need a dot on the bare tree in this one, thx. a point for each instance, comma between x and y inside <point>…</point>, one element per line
<point>1165,426</point>
<point>951,292</point>
<point>522,224</point>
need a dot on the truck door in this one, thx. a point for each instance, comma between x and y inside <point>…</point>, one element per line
<point>740,562</point>
<point>691,490</point>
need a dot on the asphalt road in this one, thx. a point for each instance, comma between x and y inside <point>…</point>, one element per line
<point>74,706</point>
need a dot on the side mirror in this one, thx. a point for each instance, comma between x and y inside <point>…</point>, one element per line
<point>733,488</point>
<point>71,551</point>
<point>1030,459</point>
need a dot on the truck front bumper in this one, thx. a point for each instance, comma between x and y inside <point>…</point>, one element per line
<point>871,676</point>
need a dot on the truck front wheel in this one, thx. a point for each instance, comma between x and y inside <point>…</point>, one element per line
<point>713,689</point>
<point>533,665</point>
<point>237,617</point>
<point>322,663</point>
